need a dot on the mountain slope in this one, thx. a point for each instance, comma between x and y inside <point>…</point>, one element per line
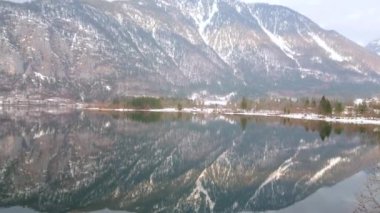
<point>374,46</point>
<point>93,49</point>
<point>274,47</point>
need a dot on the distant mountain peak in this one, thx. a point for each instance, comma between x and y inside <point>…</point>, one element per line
<point>374,46</point>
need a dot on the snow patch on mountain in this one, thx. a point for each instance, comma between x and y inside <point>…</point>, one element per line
<point>38,79</point>
<point>334,55</point>
<point>374,46</point>
<point>42,133</point>
<point>108,87</point>
<point>276,39</point>
<point>203,20</point>
<point>40,76</point>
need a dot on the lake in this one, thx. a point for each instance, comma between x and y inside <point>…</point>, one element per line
<point>173,162</point>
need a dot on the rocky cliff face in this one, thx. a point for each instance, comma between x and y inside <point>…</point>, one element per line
<point>85,50</point>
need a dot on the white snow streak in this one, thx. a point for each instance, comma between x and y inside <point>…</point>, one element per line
<point>42,133</point>
<point>200,189</point>
<point>202,22</point>
<point>276,39</point>
<point>331,163</point>
<point>40,76</point>
<point>39,134</point>
<point>334,55</point>
<point>276,175</point>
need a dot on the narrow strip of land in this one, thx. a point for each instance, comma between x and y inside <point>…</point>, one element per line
<point>261,113</point>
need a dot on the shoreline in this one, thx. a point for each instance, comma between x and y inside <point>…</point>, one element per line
<point>262,113</point>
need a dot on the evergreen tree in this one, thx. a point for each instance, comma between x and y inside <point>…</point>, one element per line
<point>244,104</point>
<point>307,102</point>
<point>339,108</point>
<point>116,101</point>
<point>145,103</point>
<point>179,107</point>
<point>325,106</point>
<point>243,123</point>
<point>325,130</point>
<point>362,108</point>
<point>313,103</point>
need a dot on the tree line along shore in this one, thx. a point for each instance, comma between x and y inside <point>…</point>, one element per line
<point>322,106</point>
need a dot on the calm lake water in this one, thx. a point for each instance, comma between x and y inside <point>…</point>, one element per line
<point>152,162</point>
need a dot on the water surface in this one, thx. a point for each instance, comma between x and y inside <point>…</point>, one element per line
<point>153,162</point>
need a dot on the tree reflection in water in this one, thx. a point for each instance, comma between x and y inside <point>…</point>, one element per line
<point>144,162</point>
<point>324,130</point>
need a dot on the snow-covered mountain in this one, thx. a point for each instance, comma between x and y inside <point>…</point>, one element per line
<point>95,49</point>
<point>374,46</point>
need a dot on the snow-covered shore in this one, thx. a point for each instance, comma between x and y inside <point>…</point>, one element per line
<point>262,113</point>
<point>185,110</point>
<point>315,117</point>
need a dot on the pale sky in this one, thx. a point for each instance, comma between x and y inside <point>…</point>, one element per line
<point>359,20</point>
<point>356,19</point>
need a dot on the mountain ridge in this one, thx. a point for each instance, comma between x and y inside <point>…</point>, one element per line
<point>374,46</point>
<point>95,50</point>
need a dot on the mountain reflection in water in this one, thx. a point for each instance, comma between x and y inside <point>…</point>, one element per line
<point>145,162</point>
